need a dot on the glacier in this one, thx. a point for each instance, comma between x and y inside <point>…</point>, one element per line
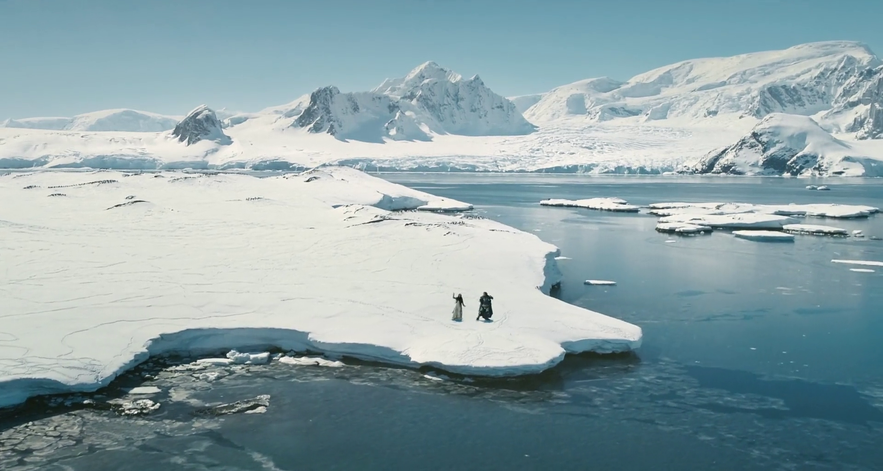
<point>809,110</point>
<point>104,269</point>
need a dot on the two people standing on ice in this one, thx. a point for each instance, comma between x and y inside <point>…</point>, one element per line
<point>485,308</point>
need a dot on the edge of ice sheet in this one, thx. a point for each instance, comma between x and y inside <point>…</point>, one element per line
<point>311,262</point>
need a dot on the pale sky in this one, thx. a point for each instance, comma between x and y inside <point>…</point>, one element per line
<point>64,57</point>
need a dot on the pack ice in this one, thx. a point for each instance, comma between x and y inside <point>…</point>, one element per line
<point>103,269</point>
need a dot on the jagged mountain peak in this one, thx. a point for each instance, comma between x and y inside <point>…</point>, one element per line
<point>201,124</point>
<point>429,100</point>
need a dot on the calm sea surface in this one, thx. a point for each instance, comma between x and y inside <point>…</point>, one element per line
<point>760,356</point>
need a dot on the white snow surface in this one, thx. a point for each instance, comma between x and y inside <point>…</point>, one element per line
<point>822,100</point>
<point>600,204</point>
<point>764,236</point>
<point>94,283</point>
<point>121,120</point>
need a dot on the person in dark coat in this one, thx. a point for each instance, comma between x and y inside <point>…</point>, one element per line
<point>485,309</point>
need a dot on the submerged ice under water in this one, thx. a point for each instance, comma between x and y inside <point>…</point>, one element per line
<point>756,356</point>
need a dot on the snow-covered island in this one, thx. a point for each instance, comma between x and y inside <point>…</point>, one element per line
<point>103,269</point>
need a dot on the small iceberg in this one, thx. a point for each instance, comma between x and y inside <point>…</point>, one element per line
<point>815,229</point>
<point>599,204</point>
<point>867,263</point>
<point>600,283</point>
<point>861,270</point>
<point>823,188</point>
<point>858,233</point>
<point>764,236</point>
<point>682,228</point>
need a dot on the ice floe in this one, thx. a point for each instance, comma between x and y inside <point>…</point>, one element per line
<point>310,361</point>
<point>764,236</point>
<point>144,391</point>
<point>731,221</point>
<point>682,228</point>
<point>819,188</point>
<point>600,204</point>
<point>600,282</point>
<point>814,229</point>
<point>858,233</point>
<point>313,262</point>
<point>842,211</point>
<point>868,263</point>
<point>861,270</point>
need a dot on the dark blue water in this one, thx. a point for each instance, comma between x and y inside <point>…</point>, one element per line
<point>756,356</point>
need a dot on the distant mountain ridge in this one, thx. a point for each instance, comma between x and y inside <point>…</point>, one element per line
<point>813,109</point>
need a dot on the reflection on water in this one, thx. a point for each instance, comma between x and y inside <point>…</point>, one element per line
<point>756,356</point>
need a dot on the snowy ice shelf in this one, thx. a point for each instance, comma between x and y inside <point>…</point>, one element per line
<point>599,204</point>
<point>124,266</point>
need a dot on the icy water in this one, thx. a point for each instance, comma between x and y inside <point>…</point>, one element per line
<point>760,356</point>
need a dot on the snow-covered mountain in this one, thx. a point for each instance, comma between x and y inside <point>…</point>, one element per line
<point>838,82</point>
<point>121,120</point>
<point>791,145</point>
<point>814,108</point>
<point>201,124</point>
<point>524,102</point>
<point>429,100</point>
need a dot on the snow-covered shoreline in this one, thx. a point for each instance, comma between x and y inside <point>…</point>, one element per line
<point>116,267</point>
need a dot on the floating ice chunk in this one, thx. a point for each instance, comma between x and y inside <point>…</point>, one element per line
<point>600,282</point>
<point>214,361</point>
<point>139,407</point>
<point>858,233</point>
<point>248,358</point>
<point>434,377</point>
<point>838,211</point>
<point>257,410</point>
<point>869,263</point>
<point>144,390</point>
<point>817,210</point>
<point>814,229</point>
<point>732,221</point>
<point>238,407</point>
<point>600,204</point>
<point>861,270</point>
<point>682,228</point>
<point>811,187</point>
<point>764,236</point>
<point>823,188</point>
<point>562,258</point>
<point>311,361</point>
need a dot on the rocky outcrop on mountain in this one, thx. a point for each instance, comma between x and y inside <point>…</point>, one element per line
<point>781,144</point>
<point>201,124</point>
